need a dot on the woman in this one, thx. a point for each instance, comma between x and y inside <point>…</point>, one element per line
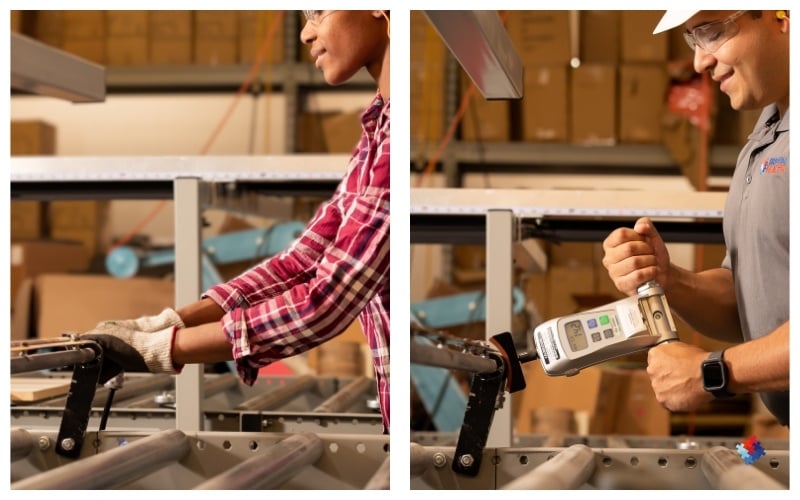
<point>336,271</point>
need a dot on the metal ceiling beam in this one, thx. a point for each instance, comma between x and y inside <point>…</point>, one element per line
<point>39,69</point>
<point>480,43</point>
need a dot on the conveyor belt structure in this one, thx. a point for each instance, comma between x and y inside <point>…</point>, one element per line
<point>604,462</point>
<point>172,459</point>
<point>301,403</point>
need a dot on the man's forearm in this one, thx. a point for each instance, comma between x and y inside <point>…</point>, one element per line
<point>706,301</point>
<point>760,365</point>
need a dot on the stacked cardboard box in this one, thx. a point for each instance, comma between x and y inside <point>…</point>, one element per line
<point>543,42</point>
<point>85,34</point>
<point>127,42</point>
<point>170,33</point>
<point>215,37</point>
<point>429,58</point>
<point>257,27</point>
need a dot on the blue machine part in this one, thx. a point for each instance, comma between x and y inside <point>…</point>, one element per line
<point>459,309</point>
<point>239,246</point>
<point>439,392</point>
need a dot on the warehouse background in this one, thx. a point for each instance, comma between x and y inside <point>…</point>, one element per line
<point>165,97</point>
<point>594,81</point>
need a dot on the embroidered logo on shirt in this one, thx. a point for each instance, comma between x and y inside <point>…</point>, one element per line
<point>774,165</point>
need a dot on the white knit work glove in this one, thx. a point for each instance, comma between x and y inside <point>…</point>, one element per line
<point>134,351</point>
<point>148,324</point>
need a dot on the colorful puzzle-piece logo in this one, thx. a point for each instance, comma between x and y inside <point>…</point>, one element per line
<point>750,450</point>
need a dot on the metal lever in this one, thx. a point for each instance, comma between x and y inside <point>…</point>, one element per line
<point>487,393</point>
<point>112,385</point>
<point>82,388</point>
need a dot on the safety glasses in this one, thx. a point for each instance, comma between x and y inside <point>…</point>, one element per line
<point>316,16</point>
<point>711,36</point>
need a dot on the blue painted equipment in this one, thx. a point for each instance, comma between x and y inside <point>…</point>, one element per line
<point>438,391</point>
<point>239,246</point>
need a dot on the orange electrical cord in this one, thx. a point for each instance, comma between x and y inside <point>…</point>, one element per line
<point>259,57</point>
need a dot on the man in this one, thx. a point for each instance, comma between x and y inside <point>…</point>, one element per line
<point>746,300</point>
<point>335,272</point>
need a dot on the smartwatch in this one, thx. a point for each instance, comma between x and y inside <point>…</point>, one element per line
<point>715,375</point>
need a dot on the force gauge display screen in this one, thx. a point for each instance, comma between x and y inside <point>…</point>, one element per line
<point>576,335</point>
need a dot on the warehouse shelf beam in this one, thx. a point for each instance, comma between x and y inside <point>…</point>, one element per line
<point>458,215</point>
<point>37,68</point>
<point>638,158</point>
<point>141,177</point>
<point>224,76</point>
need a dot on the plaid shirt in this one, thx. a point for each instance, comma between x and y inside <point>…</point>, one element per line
<point>335,272</point>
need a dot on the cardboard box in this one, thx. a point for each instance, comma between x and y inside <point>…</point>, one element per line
<point>216,38</point>
<point>642,94</point>
<point>545,111</point>
<point>574,253</point>
<point>747,121</point>
<point>16,21</point>
<point>484,120</point>
<point>170,52</point>
<point>254,28</point>
<point>76,303</point>
<point>639,44</point>
<point>127,23</point>
<point>32,258</point>
<point>564,284</point>
<point>26,220</point>
<point>214,52</point>
<point>170,36</point>
<point>32,137</point>
<point>541,37</point>
<point>84,24</point>
<point>599,36</point>
<point>639,412</point>
<point>127,50</point>
<point>215,24</point>
<point>427,66</point>
<point>91,49</point>
<point>592,392</point>
<point>594,105</point>
<point>77,214</point>
<point>49,27</point>
<point>341,132</point>
<point>170,24</point>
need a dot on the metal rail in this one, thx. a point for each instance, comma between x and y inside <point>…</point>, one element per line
<point>49,360</point>
<point>578,466</point>
<point>132,387</point>
<point>447,358</point>
<point>568,470</point>
<point>379,480</point>
<point>278,397</point>
<point>343,399</point>
<point>725,470</point>
<point>115,467</point>
<point>281,462</point>
<point>421,459</point>
<point>21,444</point>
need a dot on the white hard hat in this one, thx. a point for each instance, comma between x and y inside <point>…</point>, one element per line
<point>673,18</point>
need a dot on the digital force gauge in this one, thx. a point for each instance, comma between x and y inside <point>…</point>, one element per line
<point>567,344</point>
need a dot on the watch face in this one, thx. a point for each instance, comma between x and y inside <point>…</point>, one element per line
<point>713,377</point>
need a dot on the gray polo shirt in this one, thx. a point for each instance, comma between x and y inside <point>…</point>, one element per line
<point>756,228</point>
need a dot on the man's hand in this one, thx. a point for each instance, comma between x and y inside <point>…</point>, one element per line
<point>148,324</point>
<point>134,351</point>
<point>635,256</point>
<point>674,370</point>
